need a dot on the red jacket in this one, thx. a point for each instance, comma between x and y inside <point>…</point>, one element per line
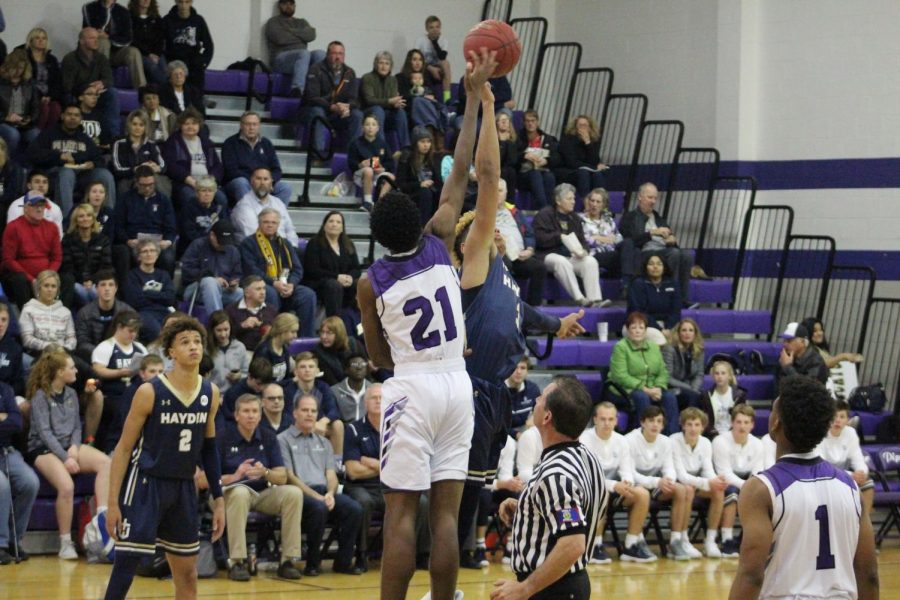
<point>31,247</point>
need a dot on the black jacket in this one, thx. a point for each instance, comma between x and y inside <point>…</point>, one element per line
<point>549,227</point>
<point>82,260</point>
<point>32,102</point>
<point>738,394</point>
<point>54,74</point>
<point>573,153</point>
<point>188,40</point>
<point>321,263</point>
<point>321,91</point>
<point>633,223</point>
<point>548,142</point>
<point>192,97</point>
<point>407,178</point>
<point>147,35</point>
<point>117,25</point>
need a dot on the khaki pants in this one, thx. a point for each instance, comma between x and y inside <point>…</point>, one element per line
<point>128,56</point>
<point>285,501</point>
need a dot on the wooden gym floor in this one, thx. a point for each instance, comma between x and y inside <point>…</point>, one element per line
<point>48,578</point>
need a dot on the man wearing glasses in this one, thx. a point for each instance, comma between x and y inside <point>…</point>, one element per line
<point>144,213</point>
<point>274,416</point>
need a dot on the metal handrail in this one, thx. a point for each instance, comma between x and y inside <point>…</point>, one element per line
<point>311,152</point>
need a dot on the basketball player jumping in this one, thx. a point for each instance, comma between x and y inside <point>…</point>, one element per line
<point>169,430</point>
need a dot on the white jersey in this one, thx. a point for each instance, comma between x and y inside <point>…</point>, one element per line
<point>843,451</point>
<point>768,451</point>
<point>815,516</point>
<point>693,465</point>
<point>736,461</point>
<point>420,306</point>
<point>652,461</point>
<point>613,454</point>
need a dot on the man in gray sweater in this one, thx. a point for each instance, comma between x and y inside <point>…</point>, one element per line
<point>287,38</point>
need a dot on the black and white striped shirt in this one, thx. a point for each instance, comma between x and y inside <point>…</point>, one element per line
<point>566,495</point>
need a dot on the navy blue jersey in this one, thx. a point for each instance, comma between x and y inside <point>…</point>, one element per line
<point>494,325</point>
<point>113,356</point>
<point>173,433</point>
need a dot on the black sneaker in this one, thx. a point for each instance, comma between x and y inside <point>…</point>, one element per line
<point>5,557</point>
<point>731,548</point>
<point>287,570</point>
<point>480,557</point>
<point>639,553</point>
<point>599,556</point>
<point>467,561</point>
<point>239,571</point>
<point>23,556</point>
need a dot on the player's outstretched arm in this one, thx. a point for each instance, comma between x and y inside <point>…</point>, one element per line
<point>755,508</point>
<point>865,561</point>
<point>376,345</point>
<point>443,224</point>
<point>141,408</point>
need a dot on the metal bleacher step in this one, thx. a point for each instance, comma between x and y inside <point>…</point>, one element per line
<point>229,104</point>
<point>280,134</point>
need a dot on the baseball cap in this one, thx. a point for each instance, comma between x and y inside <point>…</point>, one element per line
<point>34,197</point>
<point>795,330</point>
<point>224,231</point>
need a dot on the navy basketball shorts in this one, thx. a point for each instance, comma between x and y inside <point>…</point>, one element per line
<point>160,512</point>
<point>493,418</point>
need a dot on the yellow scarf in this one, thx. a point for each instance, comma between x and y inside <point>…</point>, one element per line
<point>273,260</point>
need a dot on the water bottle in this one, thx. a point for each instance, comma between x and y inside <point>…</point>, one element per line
<point>251,558</point>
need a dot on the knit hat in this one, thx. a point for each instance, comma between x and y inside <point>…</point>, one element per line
<point>420,133</point>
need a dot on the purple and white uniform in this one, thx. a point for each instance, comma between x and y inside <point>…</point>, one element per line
<point>815,516</point>
<point>427,413</point>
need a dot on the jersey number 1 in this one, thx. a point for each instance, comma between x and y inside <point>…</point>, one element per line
<point>420,339</point>
<point>825,559</point>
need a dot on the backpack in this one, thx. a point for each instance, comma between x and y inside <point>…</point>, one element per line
<point>253,65</point>
<point>868,398</point>
<point>888,431</point>
<point>743,362</point>
<point>206,561</point>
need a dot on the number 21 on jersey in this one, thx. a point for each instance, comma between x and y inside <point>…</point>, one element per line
<point>422,339</point>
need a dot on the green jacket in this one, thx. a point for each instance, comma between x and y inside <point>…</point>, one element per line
<point>377,90</point>
<point>637,367</point>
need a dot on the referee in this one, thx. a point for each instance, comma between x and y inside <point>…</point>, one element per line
<point>554,522</point>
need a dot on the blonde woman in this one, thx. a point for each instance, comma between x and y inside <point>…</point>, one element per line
<point>46,75</point>
<point>135,149</point>
<point>45,321</point>
<point>19,104</point>
<point>684,358</point>
<point>334,348</point>
<point>579,151</point>
<point>275,346</point>
<point>718,401</point>
<point>86,250</point>
<point>509,156</point>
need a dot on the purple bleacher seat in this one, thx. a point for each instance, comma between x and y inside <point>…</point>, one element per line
<point>281,85</point>
<point>339,163</point>
<point>717,291</point>
<point>43,513</point>
<point>226,82</point>
<point>302,345</point>
<point>284,109</point>
<point>128,101</point>
<point>617,202</point>
<point>522,200</point>
<point>593,382</point>
<point>761,422</point>
<point>594,353</point>
<point>759,387</point>
<point>121,78</point>
<point>869,421</point>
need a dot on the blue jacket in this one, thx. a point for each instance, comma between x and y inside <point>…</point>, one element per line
<point>362,149</point>
<point>12,424</point>
<point>11,362</point>
<point>239,159</point>
<point>195,221</point>
<point>201,260</point>
<point>659,303</point>
<point>135,214</point>
<point>328,406</point>
<point>253,262</point>
<point>178,158</point>
<point>149,290</point>
<point>523,403</point>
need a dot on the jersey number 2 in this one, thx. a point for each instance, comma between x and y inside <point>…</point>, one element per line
<point>420,339</point>
<point>184,441</point>
<point>825,559</point>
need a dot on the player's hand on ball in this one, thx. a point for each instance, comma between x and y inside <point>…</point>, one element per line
<point>479,69</point>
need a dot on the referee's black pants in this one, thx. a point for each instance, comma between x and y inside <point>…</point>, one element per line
<point>571,586</point>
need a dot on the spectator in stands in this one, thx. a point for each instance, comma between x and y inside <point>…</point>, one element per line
<point>10,181</point>
<point>362,452</point>
<point>150,290</point>
<point>92,122</point>
<point>523,395</point>
<point>419,173</point>
<point>312,468</point>
<point>560,242</point>
<point>332,93</point>
<point>331,265</point>
<point>95,195</point>
<point>92,321</point>
<point>230,358</point>
<point>30,245</point>
<point>503,100</point>
<point>288,38</point>
<point>145,213</point>
<point>414,84</point>
<point>274,416</point>
<point>19,103</point>
<point>246,151</point>
<point>694,467</point>
<point>251,317</point>
<point>528,452</point>
<point>519,242</point>
<point>579,154</point>
<point>148,36</point>
<point>507,485</point>
<point>211,268</point>
<point>645,230</point>
<point>840,447</point>
<point>509,148</point>
<point>177,94</point>
<point>685,359</point>
<point>333,349</point>
<point>113,363</point>
<point>44,320</point>
<point>86,65</point>
<point>737,455</point>
<point>162,121</point>
<point>612,450</point>
<point>381,98</point>
<point>656,294</point>
<point>435,55</point>
<point>46,76</point>
<point>55,445</point>
<point>817,339</point>
<point>188,40</point>
<point>71,157</point>
<point>637,367</point>
<point>654,468</point>
<point>85,251</point>
<point>270,256</point>
<point>255,477</point>
<point>189,156</point>
<point>135,149</point>
<point>18,482</point>
<point>538,157</point>
<point>246,213</point>
<point>306,381</point>
<point>259,375</point>
<point>200,213</point>
<point>718,401</point>
<point>602,233</point>
<point>113,24</point>
<point>350,392</point>
<point>11,372</point>
<point>38,184</point>
<point>275,346</point>
<point>798,356</point>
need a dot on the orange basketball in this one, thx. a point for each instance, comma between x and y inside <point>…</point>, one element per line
<point>499,37</point>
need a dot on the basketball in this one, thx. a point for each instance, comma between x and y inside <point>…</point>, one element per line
<point>499,37</point>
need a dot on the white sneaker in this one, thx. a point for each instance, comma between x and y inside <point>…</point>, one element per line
<point>711,550</point>
<point>67,550</point>
<point>456,596</point>
<point>690,549</point>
